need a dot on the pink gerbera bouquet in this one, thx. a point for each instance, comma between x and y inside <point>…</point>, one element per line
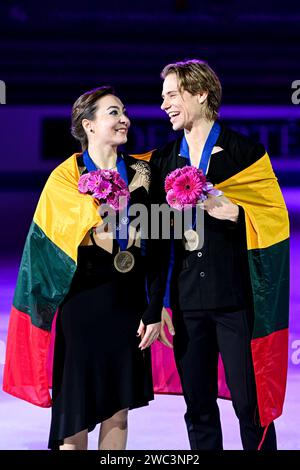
<point>106,186</point>
<point>187,186</point>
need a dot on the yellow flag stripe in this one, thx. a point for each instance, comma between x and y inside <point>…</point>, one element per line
<point>62,212</point>
<point>143,156</point>
<point>256,189</point>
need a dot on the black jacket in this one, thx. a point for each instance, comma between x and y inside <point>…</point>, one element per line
<point>217,276</point>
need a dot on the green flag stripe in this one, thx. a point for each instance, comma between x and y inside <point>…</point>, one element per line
<point>44,278</point>
<point>269,271</point>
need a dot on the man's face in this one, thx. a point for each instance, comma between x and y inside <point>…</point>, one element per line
<point>182,107</point>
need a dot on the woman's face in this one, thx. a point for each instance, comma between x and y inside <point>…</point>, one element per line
<point>110,125</point>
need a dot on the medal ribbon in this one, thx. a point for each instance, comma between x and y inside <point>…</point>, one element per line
<point>205,156</point>
<point>121,167</point>
<point>206,152</point>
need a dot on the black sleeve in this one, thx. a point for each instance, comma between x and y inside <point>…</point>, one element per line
<point>241,217</point>
<point>157,263</point>
<point>157,255</point>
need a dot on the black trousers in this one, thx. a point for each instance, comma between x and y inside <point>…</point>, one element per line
<point>200,336</point>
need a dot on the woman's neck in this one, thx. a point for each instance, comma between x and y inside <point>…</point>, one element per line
<point>104,157</point>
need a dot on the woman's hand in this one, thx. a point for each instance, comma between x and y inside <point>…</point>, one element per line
<point>148,333</point>
<point>166,321</point>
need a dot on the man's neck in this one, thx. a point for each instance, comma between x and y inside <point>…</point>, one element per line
<point>198,134</point>
<point>196,138</point>
<point>104,157</point>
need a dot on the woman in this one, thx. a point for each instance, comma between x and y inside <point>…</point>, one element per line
<point>105,322</point>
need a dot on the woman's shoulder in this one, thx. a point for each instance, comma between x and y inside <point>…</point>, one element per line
<point>69,165</point>
<point>139,174</point>
<point>145,157</point>
<point>140,166</point>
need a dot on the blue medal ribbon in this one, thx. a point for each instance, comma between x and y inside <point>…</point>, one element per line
<point>121,167</point>
<point>208,148</point>
<point>203,165</point>
<point>205,156</point>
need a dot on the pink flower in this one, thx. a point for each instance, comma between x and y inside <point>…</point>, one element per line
<point>173,201</point>
<point>106,186</point>
<point>83,183</point>
<point>102,190</point>
<point>113,201</point>
<point>186,186</point>
<point>119,200</point>
<point>95,180</point>
<point>107,174</point>
<point>170,179</point>
<point>118,181</point>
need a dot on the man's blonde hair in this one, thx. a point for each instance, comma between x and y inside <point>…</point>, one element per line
<point>195,76</point>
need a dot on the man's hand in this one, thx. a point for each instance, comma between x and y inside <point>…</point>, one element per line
<point>166,321</point>
<point>221,207</point>
<point>148,333</point>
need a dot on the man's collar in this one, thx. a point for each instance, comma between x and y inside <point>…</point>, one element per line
<point>184,148</point>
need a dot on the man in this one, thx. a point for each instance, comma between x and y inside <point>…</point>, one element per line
<point>231,295</point>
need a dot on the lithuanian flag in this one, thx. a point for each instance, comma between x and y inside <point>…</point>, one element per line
<point>62,218</point>
<point>267,226</point>
<point>256,189</point>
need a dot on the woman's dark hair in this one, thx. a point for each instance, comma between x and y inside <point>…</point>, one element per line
<point>85,107</point>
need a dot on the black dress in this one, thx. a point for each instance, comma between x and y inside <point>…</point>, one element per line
<point>98,368</point>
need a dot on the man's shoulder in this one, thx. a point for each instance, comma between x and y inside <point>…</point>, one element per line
<point>241,146</point>
<point>162,154</point>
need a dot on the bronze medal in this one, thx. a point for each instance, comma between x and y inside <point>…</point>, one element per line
<point>124,261</point>
<point>191,241</point>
